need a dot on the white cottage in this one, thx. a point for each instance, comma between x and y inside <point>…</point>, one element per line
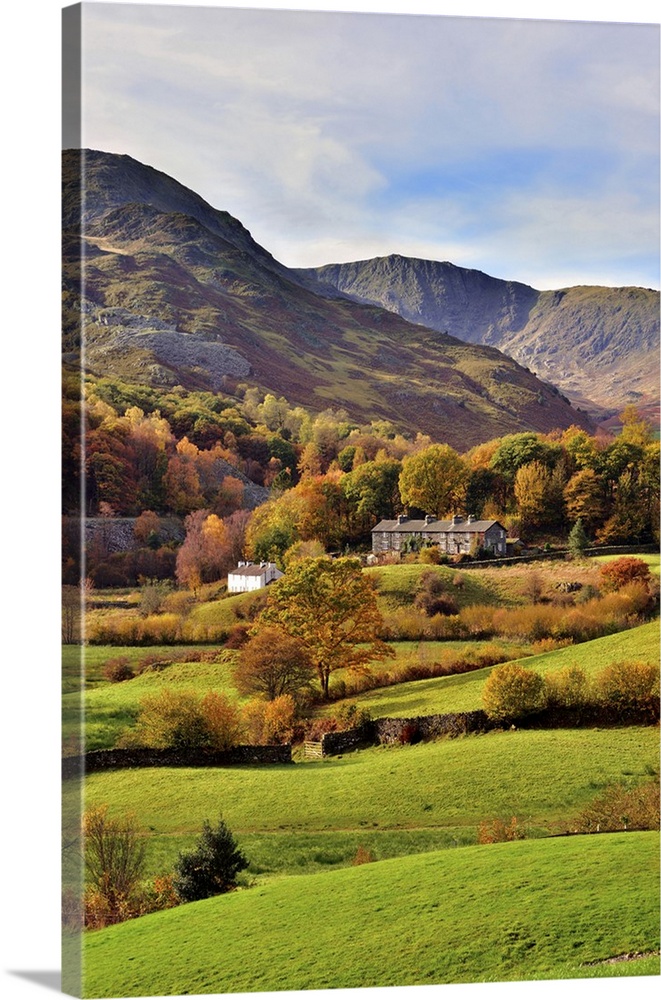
<point>252,576</point>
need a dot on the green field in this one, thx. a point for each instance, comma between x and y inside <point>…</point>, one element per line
<point>390,799</point>
<point>463,692</point>
<point>524,910</point>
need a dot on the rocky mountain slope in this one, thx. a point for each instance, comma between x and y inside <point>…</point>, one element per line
<point>599,345</point>
<point>167,290</point>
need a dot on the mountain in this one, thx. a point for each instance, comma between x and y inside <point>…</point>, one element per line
<point>170,291</point>
<point>599,345</point>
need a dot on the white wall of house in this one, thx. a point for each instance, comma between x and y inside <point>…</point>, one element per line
<point>252,577</point>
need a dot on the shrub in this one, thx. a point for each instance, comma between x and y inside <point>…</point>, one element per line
<point>512,691</point>
<point>118,669</point>
<point>363,856</point>
<point>211,868</point>
<point>431,597</point>
<point>222,720</point>
<point>237,637</point>
<point>181,720</point>
<point>280,719</point>
<point>629,684</point>
<point>497,831</point>
<point>350,716</point>
<point>151,662</point>
<point>626,569</point>
<point>318,728</point>
<point>431,555</point>
<point>568,688</point>
<point>621,808</point>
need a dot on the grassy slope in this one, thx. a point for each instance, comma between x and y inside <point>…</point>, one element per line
<point>463,692</point>
<point>392,800</point>
<point>526,910</point>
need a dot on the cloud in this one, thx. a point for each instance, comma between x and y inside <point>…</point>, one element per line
<point>343,131</point>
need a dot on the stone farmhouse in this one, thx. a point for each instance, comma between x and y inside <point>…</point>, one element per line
<point>252,576</point>
<point>452,537</point>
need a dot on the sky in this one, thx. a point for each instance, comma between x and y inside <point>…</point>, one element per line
<point>525,148</point>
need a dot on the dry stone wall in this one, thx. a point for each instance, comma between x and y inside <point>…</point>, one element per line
<point>109,760</point>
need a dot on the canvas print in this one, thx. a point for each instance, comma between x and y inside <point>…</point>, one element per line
<point>360,578</point>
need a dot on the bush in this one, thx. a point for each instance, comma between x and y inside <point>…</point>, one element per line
<point>512,691</point>
<point>621,808</point>
<point>363,856</point>
<point>211,868</point>
<point>118,669</point>
<point>497,831</point>
<point>626,569</point>
<point>181,720</point>
<point>237,637</point>
<point>568,688</point>
<point>629,684</point>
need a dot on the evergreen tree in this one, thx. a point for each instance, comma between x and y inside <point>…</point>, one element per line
<point>211,868</point>
<point>578,540</point>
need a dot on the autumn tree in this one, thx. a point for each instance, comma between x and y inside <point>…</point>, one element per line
<point>273,664</point>
<point>207,553</point>
<point>114,861</point>
<point>532,485</point>
<point>330,607</point>
<point>434,480</point>
<point>585,499</point>
<point>181,479</point>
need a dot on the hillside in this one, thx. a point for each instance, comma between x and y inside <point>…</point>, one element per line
<point>598,345</point>
<point>178,293</point>
<point>526,910</point>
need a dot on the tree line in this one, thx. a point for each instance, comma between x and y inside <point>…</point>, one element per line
<point>153,454</point>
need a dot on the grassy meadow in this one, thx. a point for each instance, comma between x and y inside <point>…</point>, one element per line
<point>463,692</point>
<point>529,909</point>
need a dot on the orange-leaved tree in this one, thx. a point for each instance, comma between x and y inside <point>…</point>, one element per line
<point>330,606</point>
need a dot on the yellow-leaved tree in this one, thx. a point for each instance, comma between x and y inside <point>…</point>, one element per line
<point>329,605</point>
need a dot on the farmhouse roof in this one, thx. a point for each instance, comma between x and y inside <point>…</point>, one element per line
<point>250,570</point>
<point>431,524</point>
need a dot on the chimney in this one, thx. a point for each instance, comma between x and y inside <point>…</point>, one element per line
<point>457,518</point>
<point>401,518</point>
<point>471,518</point>
<point>429,519</point>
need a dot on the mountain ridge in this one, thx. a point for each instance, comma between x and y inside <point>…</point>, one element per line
<point>596,343</point>
<point>176,292</point>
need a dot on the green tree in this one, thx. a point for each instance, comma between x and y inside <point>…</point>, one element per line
<point>434,480</point>
<point>211,867</point>
<point>578,540</point>
<point>330,606</point>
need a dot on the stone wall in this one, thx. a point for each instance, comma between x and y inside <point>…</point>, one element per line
<point>453,724</point>
<point>109,760</point>
<point>425,727</point>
